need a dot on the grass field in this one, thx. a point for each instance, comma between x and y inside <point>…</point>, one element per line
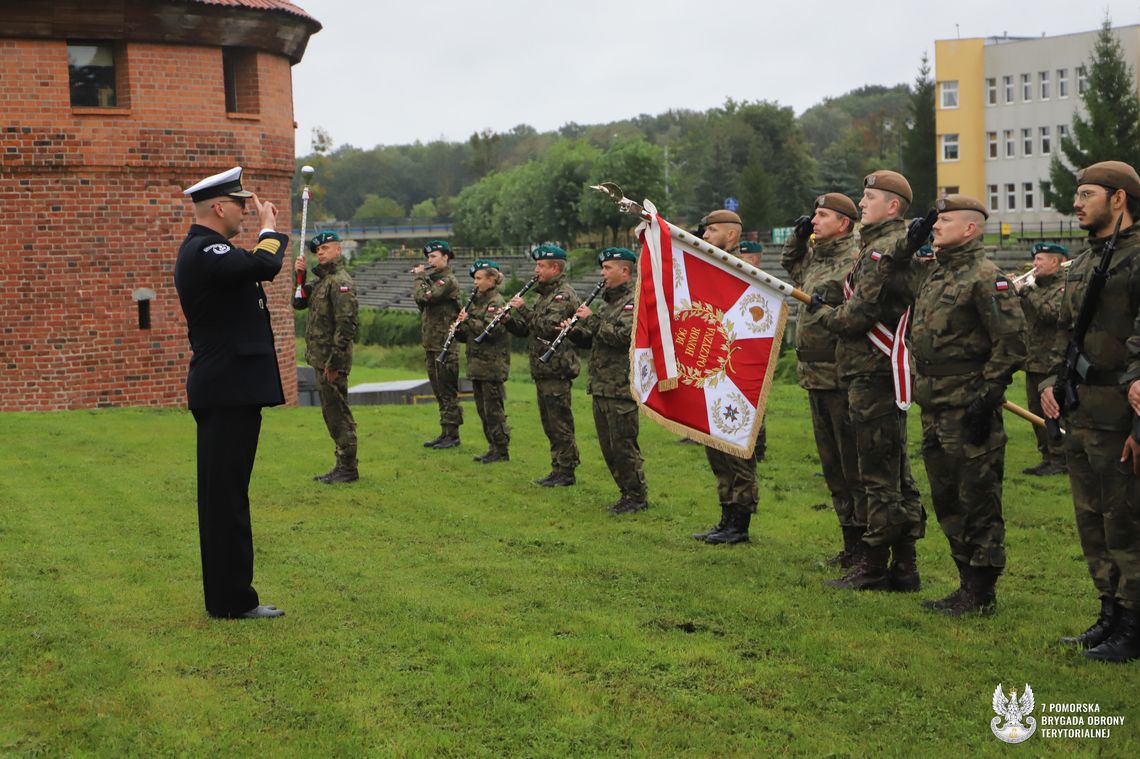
<point>442,608</point>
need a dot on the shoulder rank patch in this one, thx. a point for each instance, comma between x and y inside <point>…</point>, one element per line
<point>876,255</point>
<point>344,288</point>
<point>218,248</point>
<point>269,245</point>
<point>1002,284</point>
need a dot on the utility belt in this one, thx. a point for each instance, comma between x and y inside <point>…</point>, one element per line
<point>950,368</point>
<point>817,356</point>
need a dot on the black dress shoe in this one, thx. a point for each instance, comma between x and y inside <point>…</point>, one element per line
<point>262,612</point>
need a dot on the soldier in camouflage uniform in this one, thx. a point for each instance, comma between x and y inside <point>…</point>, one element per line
<point>329,336</point>
<point>967,340</point>
<point>541,323</point>
<point>1041,303</point>
<point>488,362</point>
<point>1103,458</point>
<point>895,517</point>
<point>821,268</point>
<point>436,293</point>
<point>607,332</point>
<point>737,485</point>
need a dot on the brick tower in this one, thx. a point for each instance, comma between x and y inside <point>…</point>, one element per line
<point>110,109</point>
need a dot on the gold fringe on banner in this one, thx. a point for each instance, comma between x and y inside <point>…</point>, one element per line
<point>667,384</point>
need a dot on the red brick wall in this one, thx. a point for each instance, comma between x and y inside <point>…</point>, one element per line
<point>92,209</point>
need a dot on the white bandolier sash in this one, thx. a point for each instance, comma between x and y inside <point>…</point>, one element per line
<point>892,345</point>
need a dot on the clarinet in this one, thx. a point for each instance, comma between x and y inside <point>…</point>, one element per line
<point>545,357</point>
<point>454,326</point>
<point>499,316</point>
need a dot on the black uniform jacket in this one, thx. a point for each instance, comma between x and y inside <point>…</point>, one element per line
<point>227,313</point>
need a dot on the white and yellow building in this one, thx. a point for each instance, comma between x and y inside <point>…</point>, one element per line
<point>1002,105</point>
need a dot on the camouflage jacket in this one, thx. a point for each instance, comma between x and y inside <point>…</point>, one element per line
<point>881,294</point>
<point>607,333</point>
<point>1110,343</point>
<point>436,292</point>
<point>820,269</point>
<point>332,325</point>
<point>540,321</point>
<point>489,360</point>
<point>1044,347</point>
<point>966,331</point>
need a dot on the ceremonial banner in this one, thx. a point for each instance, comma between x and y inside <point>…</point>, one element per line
<point>707,332</point>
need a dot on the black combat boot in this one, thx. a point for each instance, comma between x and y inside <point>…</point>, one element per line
<point>736,529</point>
<point>1100,630</point>
<point>557,479</point>
<point>979,593</point>
<point>324,477</point>
<point>342,474</point>
<point>1124,643</point>
<point>904,567</point>
<point>716,528</point>
<point>495,454</point>
<point>870,574</point>
<point>846,558</point>
<point>432,443</point>
<point>450,438</point>
<point>628,506</point>
<point>952,598</point>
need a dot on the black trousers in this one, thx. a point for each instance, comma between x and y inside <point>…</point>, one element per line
<point>227,445</point>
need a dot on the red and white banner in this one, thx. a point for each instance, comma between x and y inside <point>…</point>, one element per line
<point>896,350</point>
<point>707,332</point>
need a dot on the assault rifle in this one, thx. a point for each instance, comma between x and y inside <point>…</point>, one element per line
<point>1075,370</point>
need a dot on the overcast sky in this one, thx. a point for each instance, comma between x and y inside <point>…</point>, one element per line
<point>395,72</point>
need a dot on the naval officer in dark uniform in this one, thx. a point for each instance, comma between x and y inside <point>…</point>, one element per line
<point>233,373</point>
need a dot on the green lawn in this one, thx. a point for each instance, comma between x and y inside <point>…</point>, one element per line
<point>442,608</point>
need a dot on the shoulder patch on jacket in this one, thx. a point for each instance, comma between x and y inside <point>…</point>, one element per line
<point>345,288</point>
<point>628,307</point>
<point>218,248</point>
<point>1002,284</point>
<point>876,255</point>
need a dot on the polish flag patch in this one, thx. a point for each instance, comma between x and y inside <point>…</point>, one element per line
<point>628,307</point>
<point>558,297</point>
<point>344,288</point>
<point>1001,284</point>
<point>876,255</point>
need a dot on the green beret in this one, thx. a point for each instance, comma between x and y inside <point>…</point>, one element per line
<point>838,202</point>
<point>748,246</point>
<point>617,254</point>
<point>960,203</point>
<point>547,253</point>
<point>481,263</point>
<point>440,245</point>
<point>1115,175</point>
<point>1048,247</point>
<point>891,181</point>
<point>321,238</point>
<point>722,216</point>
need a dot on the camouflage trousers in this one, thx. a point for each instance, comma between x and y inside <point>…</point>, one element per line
<point>835,440</point>
<point>965,486</point>
<point>736,480</point>
<point>893,509</point>
<point>1049,450</point>
<point>490,400</point>
<point>444,380</point>
<point>1106,497</point>
<point>618,424</point>
<point>558,423</point>
<point>338,417</point>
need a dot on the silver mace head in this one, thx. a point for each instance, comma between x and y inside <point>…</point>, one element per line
<point>611,189</point>
<point>307,172</point>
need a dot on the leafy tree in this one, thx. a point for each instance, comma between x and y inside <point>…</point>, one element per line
<point>635,166</point>
<point>424,209</point>
<point>485,152</point>
<point>920,159</point>
<point>322,141</point>
<point>520,206</point>
<point>1110,132</point>
<point>474,212</point>
<point>377,207</point>
<point>565,170</point>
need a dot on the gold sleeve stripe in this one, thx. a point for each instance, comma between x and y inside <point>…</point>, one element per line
<point>269,245</point>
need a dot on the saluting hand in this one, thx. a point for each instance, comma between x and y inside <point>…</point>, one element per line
<point>266,213</point>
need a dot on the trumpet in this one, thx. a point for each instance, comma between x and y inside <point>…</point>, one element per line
<point>1029,278</point>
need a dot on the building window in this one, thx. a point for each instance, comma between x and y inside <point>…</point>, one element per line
<point>1043,83</point>
<point>239,72</point>
<point>1010,196</point>
<point>991,145</point>
<point>1062,83</point>
<point>1027,190</point>
<point>1062,135</point>
<point>949,147</point>
<point>991,91</point>
<point>1007,83</point>
<point>1046,141</point>
<point>993,192</point>
<point>1046,189</point>
<point>1027,142</point>
<point>1082,80</point>
<point>1010,144</point>
<point>949,95</point>
<point>951,190</point>
<point>92,73</point>
<point>1026,88</point>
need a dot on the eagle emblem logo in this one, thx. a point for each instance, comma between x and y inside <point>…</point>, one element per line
<point>1016,713</point>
